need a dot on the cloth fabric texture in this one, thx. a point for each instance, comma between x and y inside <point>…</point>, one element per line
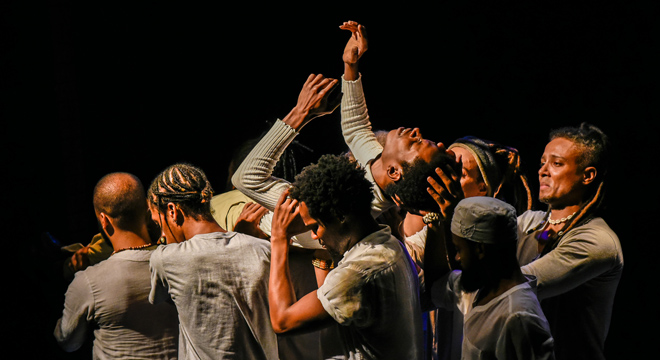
<point>373,295</point>
<point>577,282</point>
<point>360,138</point>
<point>510,326</point>
<point>484,219</point>
<point>219,284</point>
<point>113,295</point>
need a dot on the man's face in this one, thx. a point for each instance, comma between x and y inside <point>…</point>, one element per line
<point>560,178</point>
<point>327,236</point>
<point>471,264</point>
<point>405,144</point>
<point>471,181</point>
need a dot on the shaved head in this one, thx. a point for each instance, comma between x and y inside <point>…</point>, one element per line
<point>122,197</point>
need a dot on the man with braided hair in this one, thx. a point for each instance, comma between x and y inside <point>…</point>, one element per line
<point>574,254</point>
<point>216,279</point>
<point>372,293</point>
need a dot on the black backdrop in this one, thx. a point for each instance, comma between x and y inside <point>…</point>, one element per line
<point>94,87</point>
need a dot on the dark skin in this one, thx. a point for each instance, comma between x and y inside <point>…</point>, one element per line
<point>337,235</point>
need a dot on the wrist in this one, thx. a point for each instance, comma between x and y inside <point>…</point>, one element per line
<point>323,264</point>
<point>296,118</point>
<point>351,72</point>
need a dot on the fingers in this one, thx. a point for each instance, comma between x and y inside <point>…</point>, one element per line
<point>287,204</point>
<point>253,211</point>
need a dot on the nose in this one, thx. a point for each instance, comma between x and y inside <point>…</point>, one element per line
<point>415,133</point>
<point>457,257</point>
<point>543,170</point>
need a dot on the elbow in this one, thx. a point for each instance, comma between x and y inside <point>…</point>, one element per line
<point>279,325</point>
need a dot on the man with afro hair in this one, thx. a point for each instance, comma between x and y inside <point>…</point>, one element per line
<point>372,291</point>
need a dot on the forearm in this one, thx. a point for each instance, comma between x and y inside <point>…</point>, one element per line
<point>281,295</point>
<point>351,71</point>
<point>437,259</point>
<point>254,176</point>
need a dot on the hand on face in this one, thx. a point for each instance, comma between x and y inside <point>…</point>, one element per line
<point>448,193</point>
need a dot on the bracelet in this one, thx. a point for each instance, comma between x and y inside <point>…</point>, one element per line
<point>431,218</point>
<point>323,264</point>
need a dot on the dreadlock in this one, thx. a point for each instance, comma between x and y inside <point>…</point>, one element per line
<point>186,186</point>
<point>594,146</point>
<point>500,168</point>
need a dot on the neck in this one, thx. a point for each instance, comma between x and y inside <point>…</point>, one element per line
<point>123,239</point>
<point>198,227</point>
<point>500,286</point>
<point>355,234</point>
<point>379,173</point>
<point>562,212</point>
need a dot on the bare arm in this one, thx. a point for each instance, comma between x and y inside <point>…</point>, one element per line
<point>287,314</point>
<point>439,255</point>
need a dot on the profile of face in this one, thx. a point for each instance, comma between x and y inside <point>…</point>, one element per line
<point>161,224</point>
<point>472,266</point>
<point>472,182</point>
<point>406,144</point>
<point>327,236</point>
<point>561,180</point>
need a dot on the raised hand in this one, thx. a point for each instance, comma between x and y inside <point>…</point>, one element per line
<point>357,44</point>
<point>249,219</point>
<point>355,47</point>
<point>318,97</point>
<point>285,214</point>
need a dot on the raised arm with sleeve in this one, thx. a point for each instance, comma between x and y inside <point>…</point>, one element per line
<point>254,176</point>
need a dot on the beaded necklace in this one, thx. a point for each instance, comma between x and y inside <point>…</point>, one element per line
<point>140,247</point>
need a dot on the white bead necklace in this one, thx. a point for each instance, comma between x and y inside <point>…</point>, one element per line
<point>562,220</point>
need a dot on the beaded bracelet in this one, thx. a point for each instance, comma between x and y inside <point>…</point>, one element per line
<point>323,264</point>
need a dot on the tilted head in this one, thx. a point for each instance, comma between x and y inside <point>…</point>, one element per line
<point>410,189</point>
<point>333,188</point>
<point>121,196</point>
<point>185,186</point>
<point>330,191</point>
<point>403,146</point>
<point>485,233</point>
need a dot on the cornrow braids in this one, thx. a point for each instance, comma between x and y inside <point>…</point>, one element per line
<point>186,186</point>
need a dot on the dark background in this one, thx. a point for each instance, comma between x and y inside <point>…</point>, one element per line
<point>92,87</point>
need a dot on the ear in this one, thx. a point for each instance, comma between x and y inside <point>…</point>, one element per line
<point>483,189</point>
<point>394,172</point>
<point>589,175</point>
<point>175,214</point>
<point>106,224</point>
